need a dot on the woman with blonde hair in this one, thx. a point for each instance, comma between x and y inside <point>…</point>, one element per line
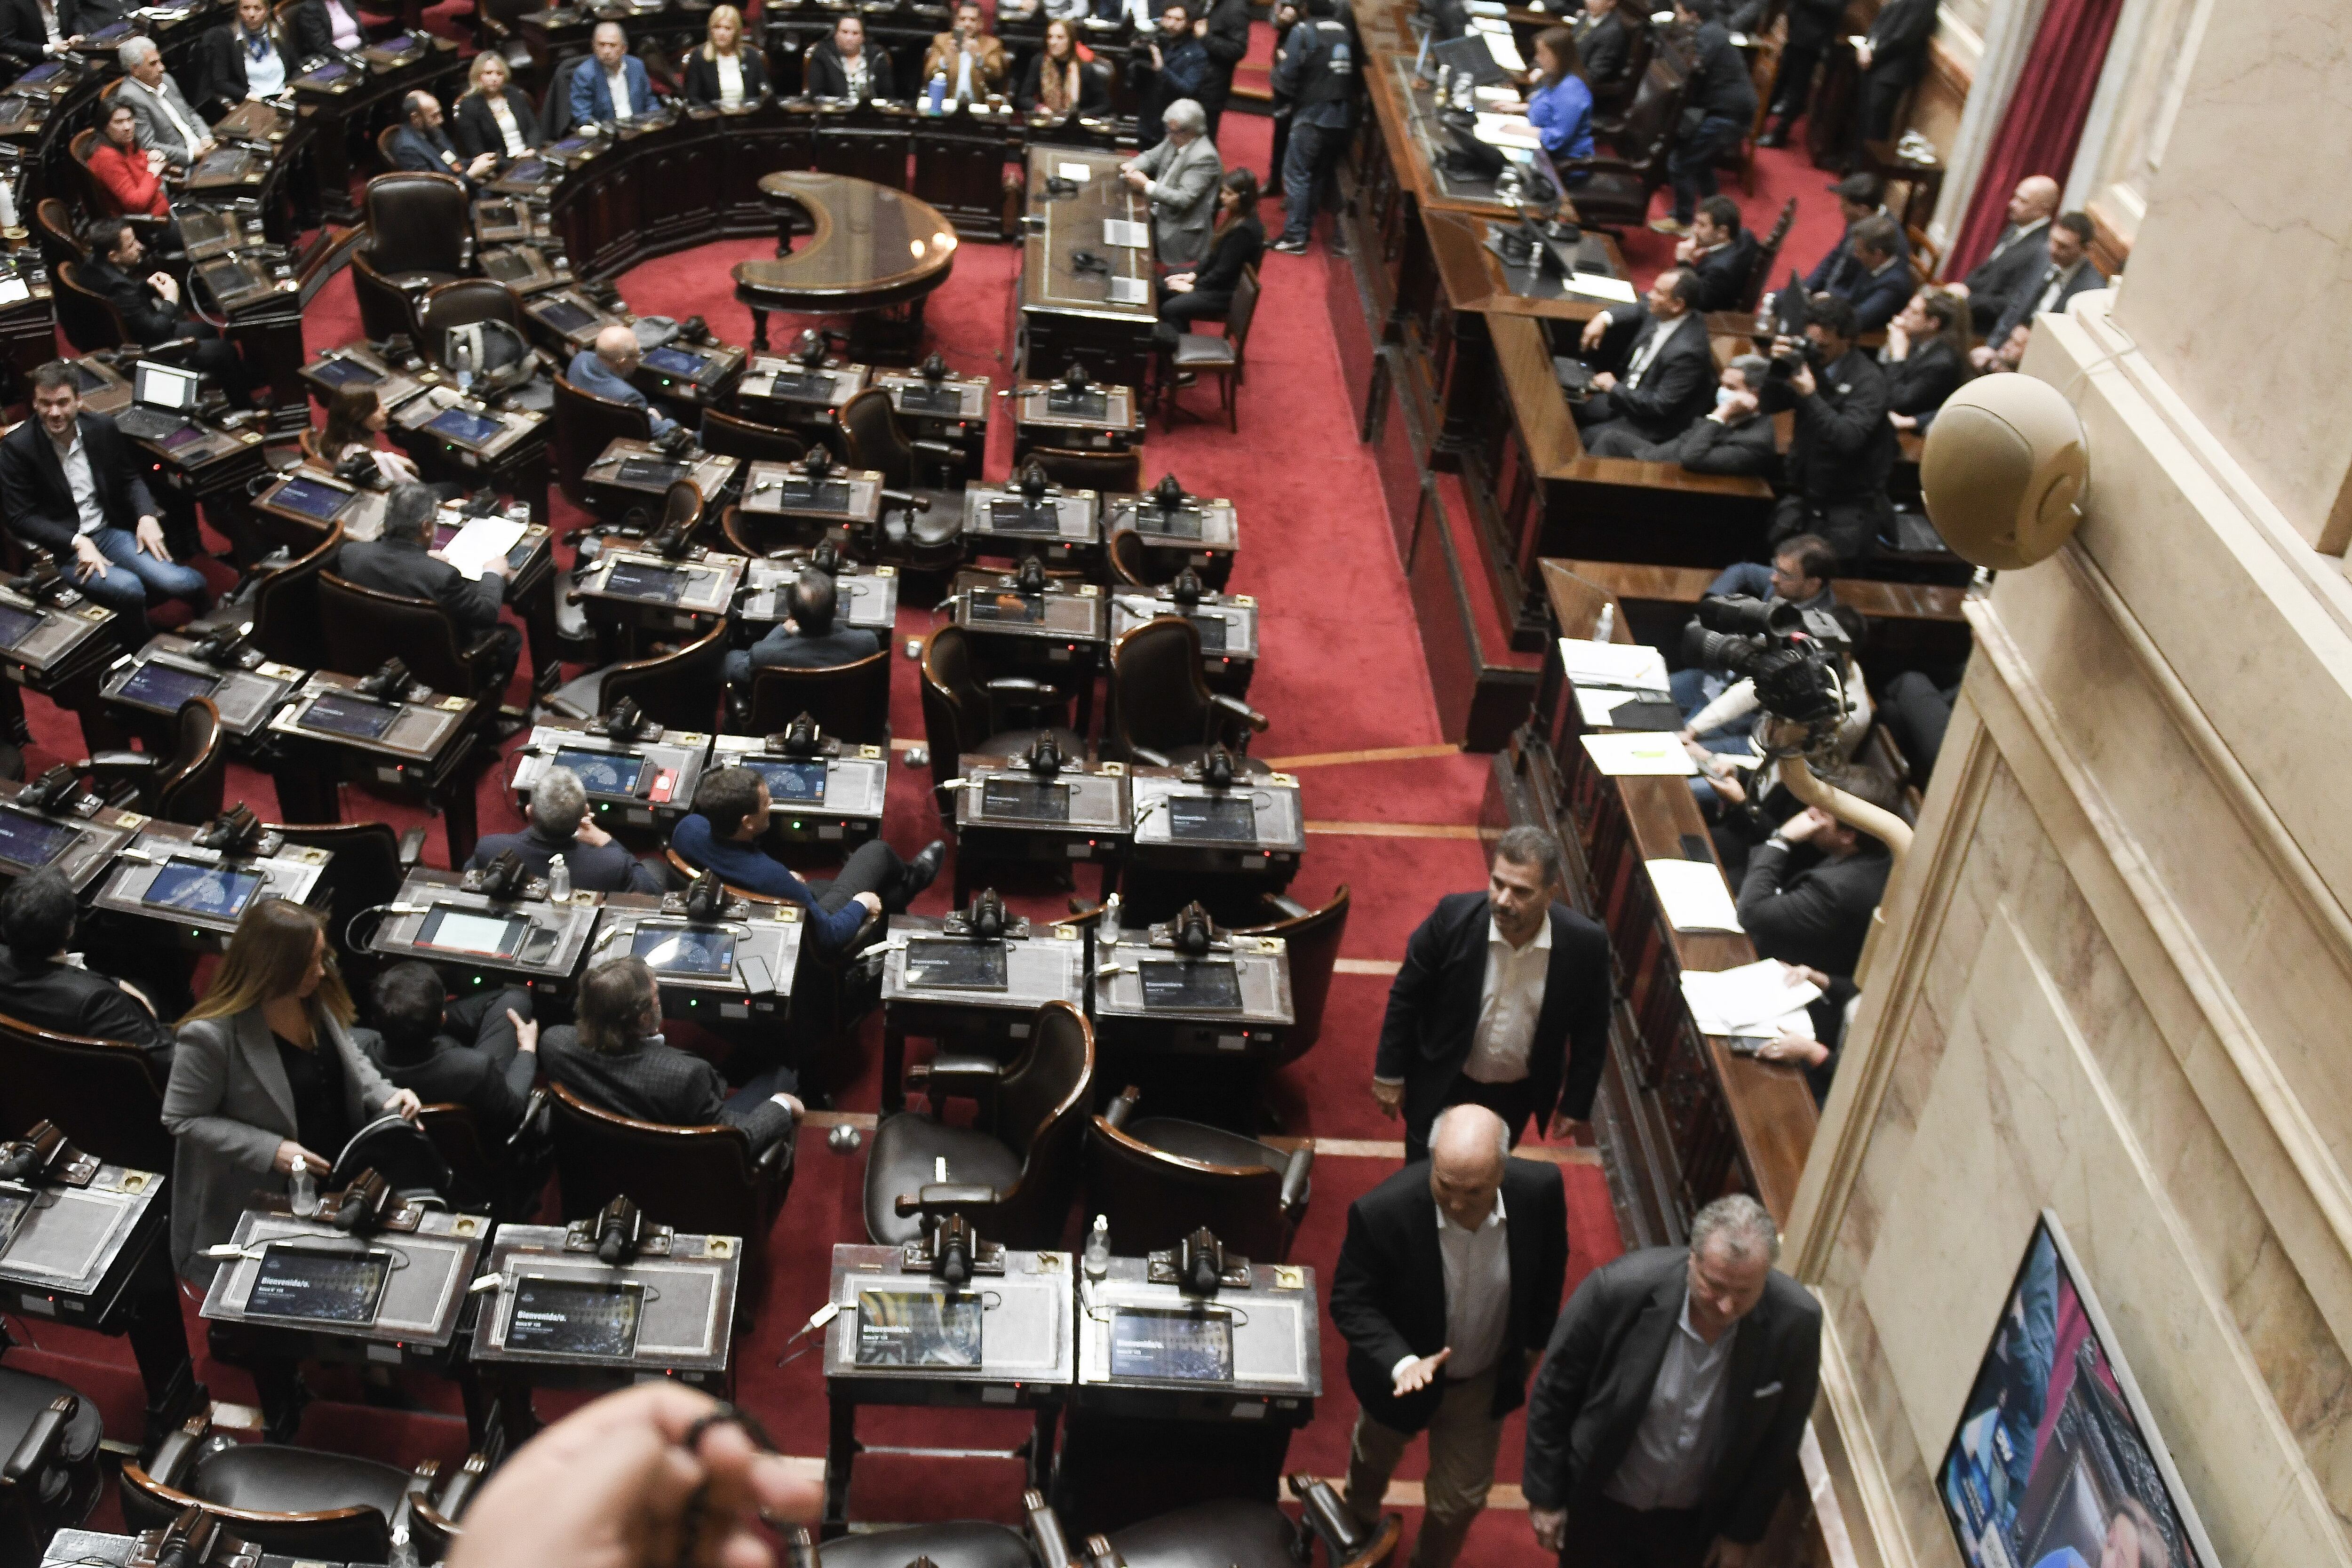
<point>494,115</point>
<point>265,1077</point>
<point>726,72</point>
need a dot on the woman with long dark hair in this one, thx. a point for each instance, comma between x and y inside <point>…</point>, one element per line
<point>1207,290</point>
<point>1059,81</point>
<point>1559,100</point>
<point>356,418</point>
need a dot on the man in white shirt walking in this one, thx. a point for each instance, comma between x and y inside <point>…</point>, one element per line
<point>1446,1287</point>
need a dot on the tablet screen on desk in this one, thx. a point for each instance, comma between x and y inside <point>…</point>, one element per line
<point>1025,800</point>
<point>1078,405</point>
<point>802,385</point>
<point>202,890</point>
<point>1011,515</point>
<point>464,425</point>
<point>1213,819</point>
<point>602,773</point>
<point>529,169</point>
<point>27,841</point>
<point>1213,640</point>
<point>344,373</point>
<point>1008,609</point>
<point>165,685</point>
<point>813,495</point>
<point>790,783</point>
<point>333,70</point>
<point>676,362</point>
<point>1165,1343</point>
<point>945,963</point>
<point>651,471</point>
<point>47,71</point>
<point>564,316</point>
<point>946,400</point>
<point>570,144</point>
<point>682,950</point>
<point>453,929</point>
<point>1187,986</point>
<point>185,435</point>
<point>353,716</point>
<point>917,1328</point>
<point>636,580</point>
<point>15,623</point>
<point>576,1317</point>
<point>311,498</point>
<point>317,1286</point>
<point>1184,522</point>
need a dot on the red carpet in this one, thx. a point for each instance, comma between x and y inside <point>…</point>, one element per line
<point>1341,671</point>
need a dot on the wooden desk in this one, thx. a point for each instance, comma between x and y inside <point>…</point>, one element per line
<point>873,248</point>
<point>1060,313</point>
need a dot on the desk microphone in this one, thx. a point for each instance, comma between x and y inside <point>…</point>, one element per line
<point>1088,261</point>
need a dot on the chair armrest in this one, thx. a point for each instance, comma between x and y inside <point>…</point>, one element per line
<point>412,846</point>
<point>955,1077</point>
<point>1295,1184</point>
<point>776,1158</point>
<point>945,1195</point>
<point>458,1489</point>
<point>176,1455</point>
<point>939,452</point>
<point>37,1450</point>
<point>1239,709</point>
<point>121,761</point>
<point>905,499</point>
<point>1150,758</point>
<point>483,646</point>
<point>1348,1541</point>
<point>533,1124</point>
<point>1123,1110</point>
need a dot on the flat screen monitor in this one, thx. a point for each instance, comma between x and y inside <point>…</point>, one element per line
<point>165,387</point>
<point>1025,800</point>
<point>1184,522</point>
<point>45,73</point>
<point>1011,514</point>
<point>1213,632</point>
<point>345,714</point>
<point>938,400</point>
<point>595,1317</point>
<point>315,1285</point>
<point>1171,1343</point>
<point>676,362</point>
<point>1086,403</point>
<point>27,840</point>
<point>682,950</point>
<point>570,144</point>
<point>482,932</point>
<point>917,1328</point>
<point>1212,819</point>
<point>1183,985</point>
<point>944,963</point>
<point>463,427</point>
<point>802,385</point>
<point>638,580</point>
<point>1008,609</point>
<point>602,773</point>
<point>167,686</point>
<point>812,495</point>
<point>790,783</point>
<point>651,472</point>
<point>199,888</point>
<point>14,623</point>
<point>2055,1458</point>
<point>528,170</point>
<point>564,316</point>
<point>185,435</point>
<point>339,371</point>
<point>312,499</point>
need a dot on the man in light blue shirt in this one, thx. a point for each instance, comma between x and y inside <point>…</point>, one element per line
<point>605,370</point>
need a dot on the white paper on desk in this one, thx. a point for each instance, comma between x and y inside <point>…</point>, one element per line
<point>1500,44</point>
<point>1079,172</point>
<point>1498,101</point>
<point>1507,130</point>
<point>1125,232</point>
<point>13,289</point>
<point>1692,895</point>
<point>1628,667</point>
<point>1599,286</point>
<point>1748,999</point>
<point>1598,705</point>
<point>480,542</point>
<point>1633,754</point>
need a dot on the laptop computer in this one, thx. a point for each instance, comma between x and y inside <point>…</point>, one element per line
<point>163,400</point>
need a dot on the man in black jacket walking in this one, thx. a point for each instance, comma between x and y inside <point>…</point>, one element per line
<point>401,563</point>
<point>1502,1001</point>
<point>1663,1426</point>
<point>1446,1287</point>
<point>1844,447</point>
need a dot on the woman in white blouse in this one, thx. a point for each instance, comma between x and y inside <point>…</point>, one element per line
<point>726,72</point>
<point>494,116</point>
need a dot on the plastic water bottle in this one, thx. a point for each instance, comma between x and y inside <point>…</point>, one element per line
<point>1605,628</point>
<point>939,92</point>
<point>1097,1260</point>
<point>558,879</point>
<point>305,1189</point>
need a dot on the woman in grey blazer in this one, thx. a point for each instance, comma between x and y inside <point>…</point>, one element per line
<point>265,1073</point>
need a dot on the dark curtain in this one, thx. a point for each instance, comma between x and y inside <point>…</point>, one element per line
<point>2044,122</point>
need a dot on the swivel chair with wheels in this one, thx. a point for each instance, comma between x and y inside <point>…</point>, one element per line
<point>1159,1178</point>
<point>1161,711</point>
<point>927,530</point>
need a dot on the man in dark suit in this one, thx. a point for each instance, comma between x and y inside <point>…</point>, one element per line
<point>1812,24</point>
<point>2066,273</point>
<point>1667,378</point>
<point>2015,255</point>
<point>844,65</point>
<point>41,987</point>
<point>1224,32</point>
<point>559,824</point>
<point>245,59</point>
<point>1821,916</point>
<point>480,1051</point>
<point>1663,1426</point>
<point>34,30</point>
<point>71,484</point>
<point>1719,253</point>
<point>1602,43</point>
<point>1842,448</point>
<point>617,1060</point>
<point>424,145</point>
<point>1878,284</point>
<point>1502,1001</point>
<point>148,303</point>
<point>1733,438</point>
<point>402,563</point>
<point>1447,1285</point>
<point>1923,367</point>
<point>809,640</point>
<point>1893,55</point>
<point>1860,196</point>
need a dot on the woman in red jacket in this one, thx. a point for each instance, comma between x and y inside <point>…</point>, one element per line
<point>132,177</point>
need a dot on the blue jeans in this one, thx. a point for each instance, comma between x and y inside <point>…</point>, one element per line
<point>136,577</point>
<point>1306,165</point>
<point>1690,166</point>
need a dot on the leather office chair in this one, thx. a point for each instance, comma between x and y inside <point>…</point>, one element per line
<point>555,112</point>
<point>1223,356</point>
<point>370,863</point>
<point>758,534</point>
<point>362,627</point>
<point>965,715</point>
<point>1161,711</point>
<point>86,319</point>
<point>874,438</point>
<point>1132,564</point>
<point>284,606</point>
<point>1013,1171</point>
<point>850,701</point>
<point>1111,473</point>
<point>749,439</point>
<point>49,1436</point>
<point>105,1095</point>
<point>434,1520</point>
<point>585,425</point>
<point>677,690</point>
<point>97,198</point>
<point>1767,256</point>
<point>1313,937</point>
<point>1611,98</point>
<point>1159,1178</point>
<point>383,138</point>
<point>1617,191</point>
<point>420,229</point>
<point>386,310</point>
<point>53,223</point>
<point>1251,1533</point>
<point>701,1180</point>
<point>504,1176</point>
<point>461,302</point>
<point>184,786</point>
<point>298,1501</point>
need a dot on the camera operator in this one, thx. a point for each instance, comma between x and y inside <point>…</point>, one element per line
<point>1818,916</point>
<point>1844,447</point>
<point>1800,574</point>
<point>1176,62</point>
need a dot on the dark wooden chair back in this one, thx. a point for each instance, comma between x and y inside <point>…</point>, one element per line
<point>191,786</point>
<point>1158,698</point>
<point>1132,562</point>
<point>366,872</point>
<point>850,701</point>
<point>53,220</point>
<point>359,1533</point>
<point>759,534</point>
<point>956,715</point>
<point>1113,473</point>
<point>1768,255</point>
<point>1040,1114</point>
<point>874,439</point>
<point>1313,939</point>
<point>696,1179</point>
<point>750,440</point>
<point>585,425</point>
<point>677,690</point>
<point>461,304</point>
<point>86,319</point>
<point>362,627</point>
<point>385,311</point>
<point>286,606</point>
<point>1154,1197</point>
<point>105,1094</point>
<point>418,221</point>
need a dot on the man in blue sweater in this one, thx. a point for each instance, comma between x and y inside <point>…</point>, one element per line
<point>731,811</point>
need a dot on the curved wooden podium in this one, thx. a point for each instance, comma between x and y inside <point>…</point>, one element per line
<point>871,249</point>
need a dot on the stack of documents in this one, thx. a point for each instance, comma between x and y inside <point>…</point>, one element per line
<point>1507,130</point>
<point>1620,686</point>
<point>481,541</point>
<point>1692,895</point>
<point>1763,998</point>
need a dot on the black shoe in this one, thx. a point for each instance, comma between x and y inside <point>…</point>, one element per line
<point>924,869</point>
<point>1777,136</point>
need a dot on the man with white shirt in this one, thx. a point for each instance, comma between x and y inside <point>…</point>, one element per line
<point>1667,378</point>
<point>1502,1001</point>
<point>1446,1287</point>
<point>166,123</point>
<point>611,85</point>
